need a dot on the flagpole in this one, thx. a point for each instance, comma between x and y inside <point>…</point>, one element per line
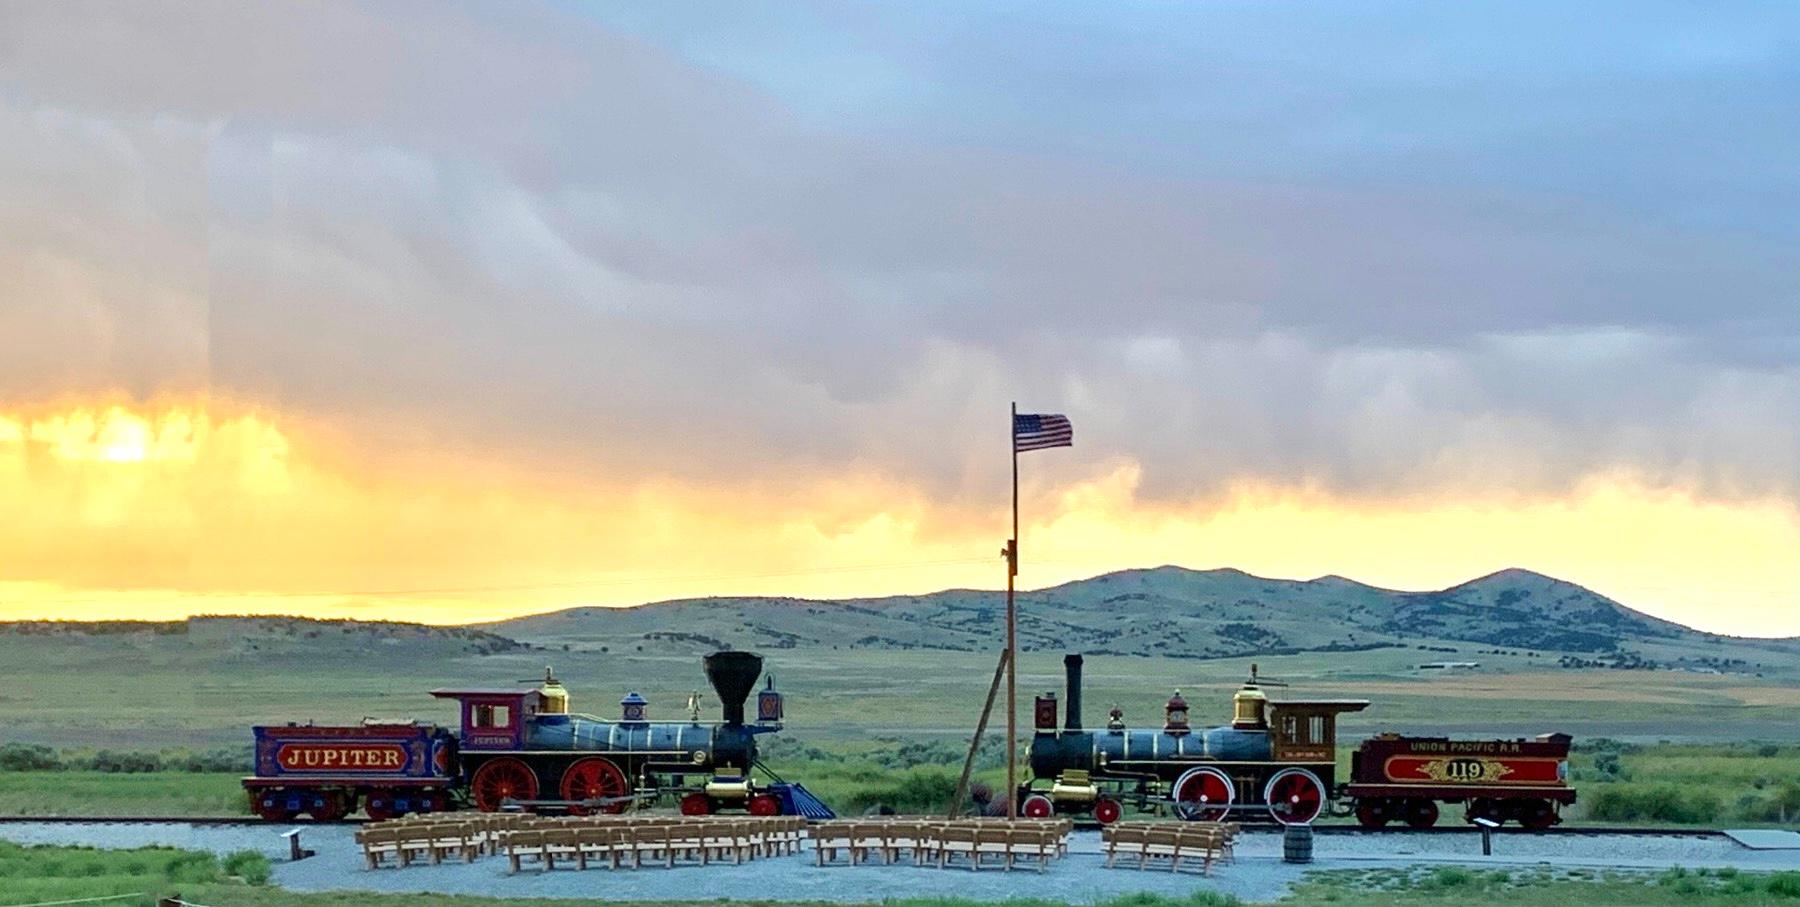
<point>1012,651</point>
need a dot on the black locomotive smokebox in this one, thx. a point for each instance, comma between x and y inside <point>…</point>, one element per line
<point>733,675</point>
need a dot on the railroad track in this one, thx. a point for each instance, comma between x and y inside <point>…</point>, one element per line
<point>1627,831</point>
<point>166,820</point>
<point>1646,831</point>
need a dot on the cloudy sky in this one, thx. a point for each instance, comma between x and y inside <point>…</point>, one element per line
<point>449,312</point>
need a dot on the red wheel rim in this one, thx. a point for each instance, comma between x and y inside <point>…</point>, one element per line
<point>1372,813</point>
<point>379,805</point>
<point>272,806</point>
<point>594,778</point>
<point>501,780</point>
<point>1295,796</point>
<point>1204,795</point>
<point>1537,815</point>
<point>1421,813</point>
<point>765,805</point>
<point>1107,810</point>
<point>1038,806</point>
<point>696,805</point>
<point>330,808</point>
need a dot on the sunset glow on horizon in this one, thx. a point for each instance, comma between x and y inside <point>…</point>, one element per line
<point>127,512</point>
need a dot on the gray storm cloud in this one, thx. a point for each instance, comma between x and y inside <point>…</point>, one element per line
<point>506,227</point>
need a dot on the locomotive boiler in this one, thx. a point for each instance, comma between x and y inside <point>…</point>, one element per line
<point>527,746</point>
<point>1275,757</point>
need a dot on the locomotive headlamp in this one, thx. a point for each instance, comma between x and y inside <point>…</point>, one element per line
<point>633,707</point>
<point>1177,709</point>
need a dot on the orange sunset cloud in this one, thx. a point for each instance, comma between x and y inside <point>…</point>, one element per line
<point>175,508</point>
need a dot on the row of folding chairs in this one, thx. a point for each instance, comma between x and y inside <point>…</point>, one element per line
<point>403,843</point>
<point>406,840</point>
<point>1154,842</point>
<point>637,844</point>
<point>970,843</point>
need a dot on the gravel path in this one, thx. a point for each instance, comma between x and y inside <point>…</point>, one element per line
<point>1257,875</point>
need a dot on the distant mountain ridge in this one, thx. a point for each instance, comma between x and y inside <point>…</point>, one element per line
<point>1169,611</point>
<point>1161,611</point>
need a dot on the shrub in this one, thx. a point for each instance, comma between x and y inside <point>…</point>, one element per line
<point>1446,878</point>
<point>1661,803</point>
<point>911,791</point>
<point>248,865</point>
<point>1607,767</point>
<point>214,760</point>
<point>28,757</point>
<point>1606,745</point>
<point>191,866</point>
<point>1205,897</point>
<point>124,762</point>
<point>1783,884</point>
<point>1782,807</point>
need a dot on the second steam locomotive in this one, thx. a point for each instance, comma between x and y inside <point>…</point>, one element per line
<point>1278,758</point>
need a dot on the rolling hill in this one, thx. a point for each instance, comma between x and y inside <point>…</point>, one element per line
<point>1164,611</point>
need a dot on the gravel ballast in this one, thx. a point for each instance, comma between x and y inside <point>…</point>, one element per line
<point>1257,875</point>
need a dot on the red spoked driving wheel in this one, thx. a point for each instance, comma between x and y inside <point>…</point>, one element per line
<point>379,804</point>
<point>1037,806</point>
<point>765,805</point>
<point>696,804</point>
<point>595,778</point>
<point>1374,812</point>
<point>1295,796</point>
<point>500,780</point>
<point>272,805</point>
<point>328,806</point>
<point>1204,795</point>
<point>1107,810</point>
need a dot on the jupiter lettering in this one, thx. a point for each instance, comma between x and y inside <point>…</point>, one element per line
<point>328,757</point>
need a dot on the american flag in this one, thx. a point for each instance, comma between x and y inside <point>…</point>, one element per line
<point>1036,431</point>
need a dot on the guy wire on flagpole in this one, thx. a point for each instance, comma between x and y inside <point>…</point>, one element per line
<point>1012,650</point>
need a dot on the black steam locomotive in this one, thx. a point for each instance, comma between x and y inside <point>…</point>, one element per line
<point>525,747</point>
<point>1278,757</point>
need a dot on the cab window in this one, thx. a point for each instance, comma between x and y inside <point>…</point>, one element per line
<point>491,716</point>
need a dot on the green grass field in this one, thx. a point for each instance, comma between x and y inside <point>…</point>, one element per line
<point>104,794</point>
<point>132,692</point>
<point>36,874</point>
<point>1543,887</point>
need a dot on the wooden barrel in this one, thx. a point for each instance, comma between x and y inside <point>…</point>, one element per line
<point>1296,844</point>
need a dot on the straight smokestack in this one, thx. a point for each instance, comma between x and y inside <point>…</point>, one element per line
<point>1072,671</point>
